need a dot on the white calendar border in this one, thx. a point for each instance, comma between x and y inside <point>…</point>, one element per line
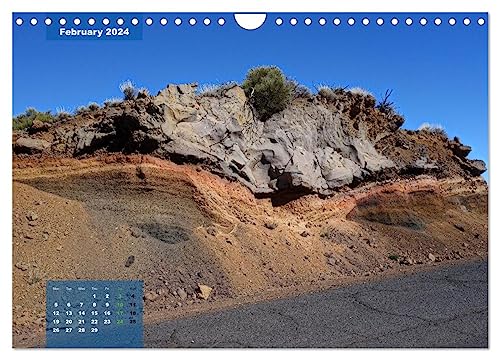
<point>9,6</point>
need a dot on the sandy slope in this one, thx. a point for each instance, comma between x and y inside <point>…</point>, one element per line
<point>185,227</point>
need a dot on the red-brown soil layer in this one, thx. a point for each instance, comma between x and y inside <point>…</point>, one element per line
<point>186,227</point>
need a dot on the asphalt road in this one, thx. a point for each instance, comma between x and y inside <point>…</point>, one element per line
<point>447,307</point>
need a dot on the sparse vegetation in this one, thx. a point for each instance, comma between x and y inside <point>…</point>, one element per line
<point>329,92</point>
<point>433,129</point>
<point>268,90</point>
<point>61,110</point>
<point>129,90</point>
<point>112,101</point>
<point>208,89</point>
<point>386,106</point>
<point>93,106</point>
<point>62,114</point>
<point>394,257</point>
<point>142,93</point>
<point>81,110</point>
<point>300,91</point>
<point>25,120</point>
<point>360,91</point>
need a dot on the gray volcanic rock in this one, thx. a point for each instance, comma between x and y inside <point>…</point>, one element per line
<point>315,145</point>
<point>30,146</point>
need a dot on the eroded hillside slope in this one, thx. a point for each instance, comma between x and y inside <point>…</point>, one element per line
<point>185,227</point>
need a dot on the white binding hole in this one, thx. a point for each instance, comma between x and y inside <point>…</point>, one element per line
<point>221,21</point>
<point>91,21</point>
<point>394,21</point>
<point>293,21</point>
<point>322,21</point>
<point>409,21</point>
<point>149,21</point>
<point>206,21</point>
<point>120,21</point>
<point>19,21</point>
<point>308,21</point>
<point>380,21</point>
<point>336,21</point>
<point>77,21</point>
<point>48,21</point>
<point>250,21</point>
<point>135,21</point>
<point>437,21</point>
<point>366,21</point>
<point>481,21</point>
<point>423,21</point>
<point>178,21</point>
<point>192,21</point>
<point>163,21</point>
<point>33,21</point>
<point>452,21</point>
<point>466,21</point>
<point>351,21</point>
<point>105,21</point>
<point>62,21</point>
<point>279,21</point>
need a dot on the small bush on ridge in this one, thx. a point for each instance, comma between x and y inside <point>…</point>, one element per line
<point>128,89</point>
<point>268,90</point>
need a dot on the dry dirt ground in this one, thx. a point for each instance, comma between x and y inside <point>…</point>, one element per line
<point>185,227</point>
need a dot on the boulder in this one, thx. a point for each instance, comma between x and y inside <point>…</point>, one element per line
<point>39,126</point>
<point>459,149</point>
<point>477,167</point>
<point>30,146</point>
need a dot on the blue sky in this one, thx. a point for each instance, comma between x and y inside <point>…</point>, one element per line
<point>438,74</point>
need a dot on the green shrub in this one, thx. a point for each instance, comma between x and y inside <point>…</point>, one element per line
<point>393,257</point>
<point>268,90</point>
<point>25,120</point>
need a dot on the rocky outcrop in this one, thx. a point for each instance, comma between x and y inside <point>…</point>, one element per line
<point>315,145</point>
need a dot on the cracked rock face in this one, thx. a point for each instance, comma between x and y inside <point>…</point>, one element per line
<point>314,145</point>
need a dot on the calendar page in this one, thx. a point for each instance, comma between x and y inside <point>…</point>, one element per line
<point>94,313</point>
<point>249,180</point>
